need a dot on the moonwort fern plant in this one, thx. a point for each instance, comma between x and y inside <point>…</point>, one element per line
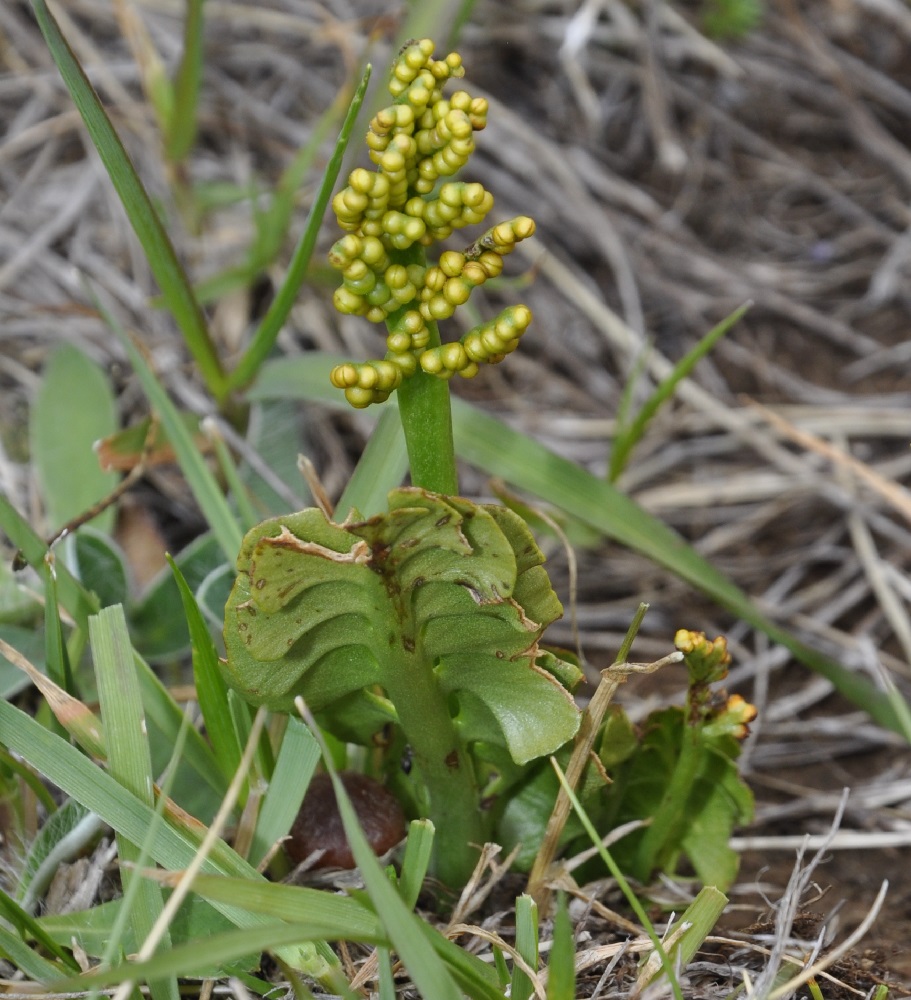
<point>417,629</point>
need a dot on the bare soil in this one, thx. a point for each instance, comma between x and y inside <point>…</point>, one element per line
<point>672,177</point>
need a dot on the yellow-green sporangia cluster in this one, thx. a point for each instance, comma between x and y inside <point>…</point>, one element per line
<point>391,214</point>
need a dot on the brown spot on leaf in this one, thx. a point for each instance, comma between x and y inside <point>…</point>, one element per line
<point>452,760</point>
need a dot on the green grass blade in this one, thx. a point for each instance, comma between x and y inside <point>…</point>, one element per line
<point>26,959</point>
<point>201,481</point>
<point>339,917</point>
<point>424,965</point>
<point>28,928</point>
<point>211,690</point>
<point>172,279</point>
<point>199,783</point>
<point>415,861</point>
<point>632,434</point>
<point>72,595</point>
<point>182,121</point>
<point>216,950</point>
<point>561,969</point>
<point>499,450</point>
<point>685,937</point>
<point>129,763</point>
<point>521,987</point>
<point>294,766</point>
<point>268,330</point>
<point>381,467</point>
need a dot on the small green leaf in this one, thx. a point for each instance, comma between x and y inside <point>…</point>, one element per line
<point>74,408</point>
<point>157,622</point>
<point>101,566</point>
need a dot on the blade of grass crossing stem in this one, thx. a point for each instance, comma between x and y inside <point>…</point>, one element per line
<point>266,333</point>
<point>428,972</point>
<point>211,690</point>
<point>499,450</point>
<point>561,969</point>
<point>294,766</point>
<point>685,937</point>
<point>381,467</point>
<point>632,433</point>
<point>183,120</point>
<point>172,279</point>
<point>205,488</point>
<point>129,763</point>
<point>521,986</point>
<point>622,883</point>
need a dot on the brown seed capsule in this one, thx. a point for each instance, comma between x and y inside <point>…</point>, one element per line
<point>319,824</point>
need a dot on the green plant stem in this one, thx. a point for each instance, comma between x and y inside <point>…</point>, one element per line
<point>670,813</point>
<point>426,413</point>
<point>427,423</point>
<point>181,132</point>
<point>444,771</point>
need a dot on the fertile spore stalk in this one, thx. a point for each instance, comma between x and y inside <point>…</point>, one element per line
<point>392,215</point>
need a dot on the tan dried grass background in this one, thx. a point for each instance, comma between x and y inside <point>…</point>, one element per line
<point>672,178</point>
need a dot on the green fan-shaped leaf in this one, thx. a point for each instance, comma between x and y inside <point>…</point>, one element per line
<point>452,588</point>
